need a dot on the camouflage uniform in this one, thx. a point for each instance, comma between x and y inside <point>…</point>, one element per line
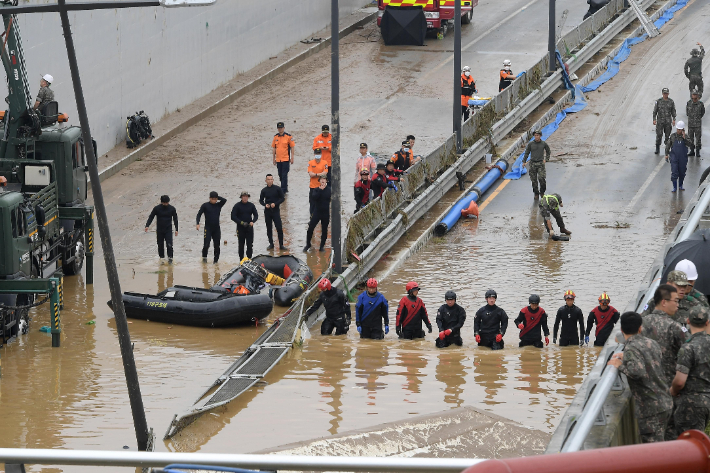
<point>663,115</point>
<point>695,112</point>
<point>550,206</point>
<point>539,153</point>
<point>693,402</point>
<point>669,334</point>
<point>653,402</point>
<point>694,71</point>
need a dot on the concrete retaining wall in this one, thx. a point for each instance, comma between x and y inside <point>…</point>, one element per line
<point>158,59</point>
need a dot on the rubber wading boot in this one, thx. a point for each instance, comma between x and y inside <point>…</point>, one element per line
<point>675,185</point>
<point>565,231</point>
<point>658,149</point>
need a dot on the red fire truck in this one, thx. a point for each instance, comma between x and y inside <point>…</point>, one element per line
<point>439,13</point>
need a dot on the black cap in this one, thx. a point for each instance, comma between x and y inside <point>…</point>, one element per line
<point>213,195</point>
<point>411,137</point>
<point>381,166</point>
<point>316,151</point>
<point>450,295</point>
<point>534,299</point>
<point>280,125</point>
<point>491,293</point>
<point>325,128</point>
<point>164,198</point>
<point>389,161</point>
<point>405,143</point>
<point>363,145</point>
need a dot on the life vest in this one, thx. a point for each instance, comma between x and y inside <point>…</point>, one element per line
<point>532,320</point>
<point>468,85</point>
<point>602,318</point>
<point>504,81</point>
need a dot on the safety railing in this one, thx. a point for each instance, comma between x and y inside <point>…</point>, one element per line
<point>364,226</point>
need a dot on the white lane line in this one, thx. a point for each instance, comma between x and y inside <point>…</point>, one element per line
<point>645,185</point>
<point>485,33</point>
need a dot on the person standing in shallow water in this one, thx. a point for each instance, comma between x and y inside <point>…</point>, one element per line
<point>530,321</point>
<point>166,216</point>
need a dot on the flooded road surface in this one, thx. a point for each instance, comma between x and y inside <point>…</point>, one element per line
<point>75,396</point>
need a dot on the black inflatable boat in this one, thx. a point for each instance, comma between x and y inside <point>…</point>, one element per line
<point>296,273</point>
<point>197,307</point>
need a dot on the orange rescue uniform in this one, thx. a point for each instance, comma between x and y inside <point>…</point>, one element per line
<point>506,78</point>
<point>467,87</point>
<point>283,145</point>
<point>317,168</point>
<point>325,144</point>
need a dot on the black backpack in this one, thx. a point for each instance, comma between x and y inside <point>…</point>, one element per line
<point>137,128</point>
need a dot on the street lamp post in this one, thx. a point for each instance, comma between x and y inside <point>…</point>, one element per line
<point>551,38</point>
<point>335,234</point>
<point>457,75</point>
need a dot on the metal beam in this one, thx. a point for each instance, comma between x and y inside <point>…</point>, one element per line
<point>263,462</point>
<point>76,6</point>
<point>26,286</point>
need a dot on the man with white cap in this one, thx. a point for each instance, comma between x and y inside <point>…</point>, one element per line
<point>506,76</point>
<point>45,94</point>
<point>677,154</point>
<point>692,296</point>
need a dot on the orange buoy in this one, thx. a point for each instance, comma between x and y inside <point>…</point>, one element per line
<point>471,210</point>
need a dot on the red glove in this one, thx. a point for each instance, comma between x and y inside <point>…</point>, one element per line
<point>478,339</point>
<point>547,341</point>
<point>442,335</point>
<point>499,337</point>
<point>521,326</point>
<point>447,332</point>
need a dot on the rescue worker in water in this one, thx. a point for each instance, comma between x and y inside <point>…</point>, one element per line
<point>490,323</point>
<point>605,316</point>
<point>530,320</point>
<point>371,310</point>
<point>411,312</point>
<point>449,319</point>
<point>337,309</point>
<point>570,316</point>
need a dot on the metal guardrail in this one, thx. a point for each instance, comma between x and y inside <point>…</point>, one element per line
<point>261,462</point>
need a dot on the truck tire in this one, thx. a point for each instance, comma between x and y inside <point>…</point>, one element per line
<point>704,176</point>
<point>467,17</point>
<point>77,253</point>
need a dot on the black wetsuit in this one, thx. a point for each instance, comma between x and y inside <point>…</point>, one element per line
<point>337,311</point>
<point>450,318</point>
<point>490,321</point>
<point>273,195</point>
<point>242,214</point>
<point>166,215</point>
<point>321,213</point>
<point>605,320</point>
<point>212,230</point>
<point>570,317</point>
<point>536,319</point>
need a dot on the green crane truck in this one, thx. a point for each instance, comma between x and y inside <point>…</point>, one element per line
<point>46,228</point>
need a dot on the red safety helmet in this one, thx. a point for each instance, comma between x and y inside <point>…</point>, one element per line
<point>411,285</point>
<point>324,284</point>
<point>372,282</point>
<point>569,294</point>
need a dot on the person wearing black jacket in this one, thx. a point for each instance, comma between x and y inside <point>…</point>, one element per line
<point>166,215</point>
<point>449,319</point>
<point>337,309</point>
<point>530,320</point>
<point>271,198</point>
<point>570,316</point>
<point>213,232</point>
<point>244,214</point>
<point>490,323</point>
<point>321,213</point>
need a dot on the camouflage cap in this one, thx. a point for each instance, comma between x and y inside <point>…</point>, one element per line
<point>679,278</point>
<point>699,315</point>
<point>665,90</point>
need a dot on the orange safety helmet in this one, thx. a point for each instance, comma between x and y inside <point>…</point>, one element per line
<point>372,282</point>
<point>569,294</point>
<point>3,181</point>
<point>411,285</point>
<point>324,284</point>
<point>604,297</point>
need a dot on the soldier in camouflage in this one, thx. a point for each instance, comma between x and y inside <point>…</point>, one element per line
<point>550,206</point>
<point>641,363</point>
<point>695,109</point>
<point>679,281</point>
<point>691,383</point>
<point>539,153</point>
<point>660,326</point>
<point>692,296</point>
<point>663,117</point>
<point>694,69</point>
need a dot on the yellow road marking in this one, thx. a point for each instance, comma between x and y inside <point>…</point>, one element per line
<point>493,195</point>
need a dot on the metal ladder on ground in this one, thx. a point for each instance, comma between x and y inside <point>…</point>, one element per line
<point>647,24</point>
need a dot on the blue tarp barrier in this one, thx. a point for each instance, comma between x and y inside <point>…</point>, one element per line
<point>478,103</point>
<point>517,170</point>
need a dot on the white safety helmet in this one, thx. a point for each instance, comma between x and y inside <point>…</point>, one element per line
<point>680,125</point>
<point>48,78</point>
<point>466,69</point>
<point>506,62</point>
<point>688,267</point>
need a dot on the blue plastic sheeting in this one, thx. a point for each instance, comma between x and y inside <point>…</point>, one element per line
<point>448,222</point>
<point>565,76</point>
<point>612,67</point>
<point>580,102</point>
<point>668,14</point>
<point>478,103</point>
